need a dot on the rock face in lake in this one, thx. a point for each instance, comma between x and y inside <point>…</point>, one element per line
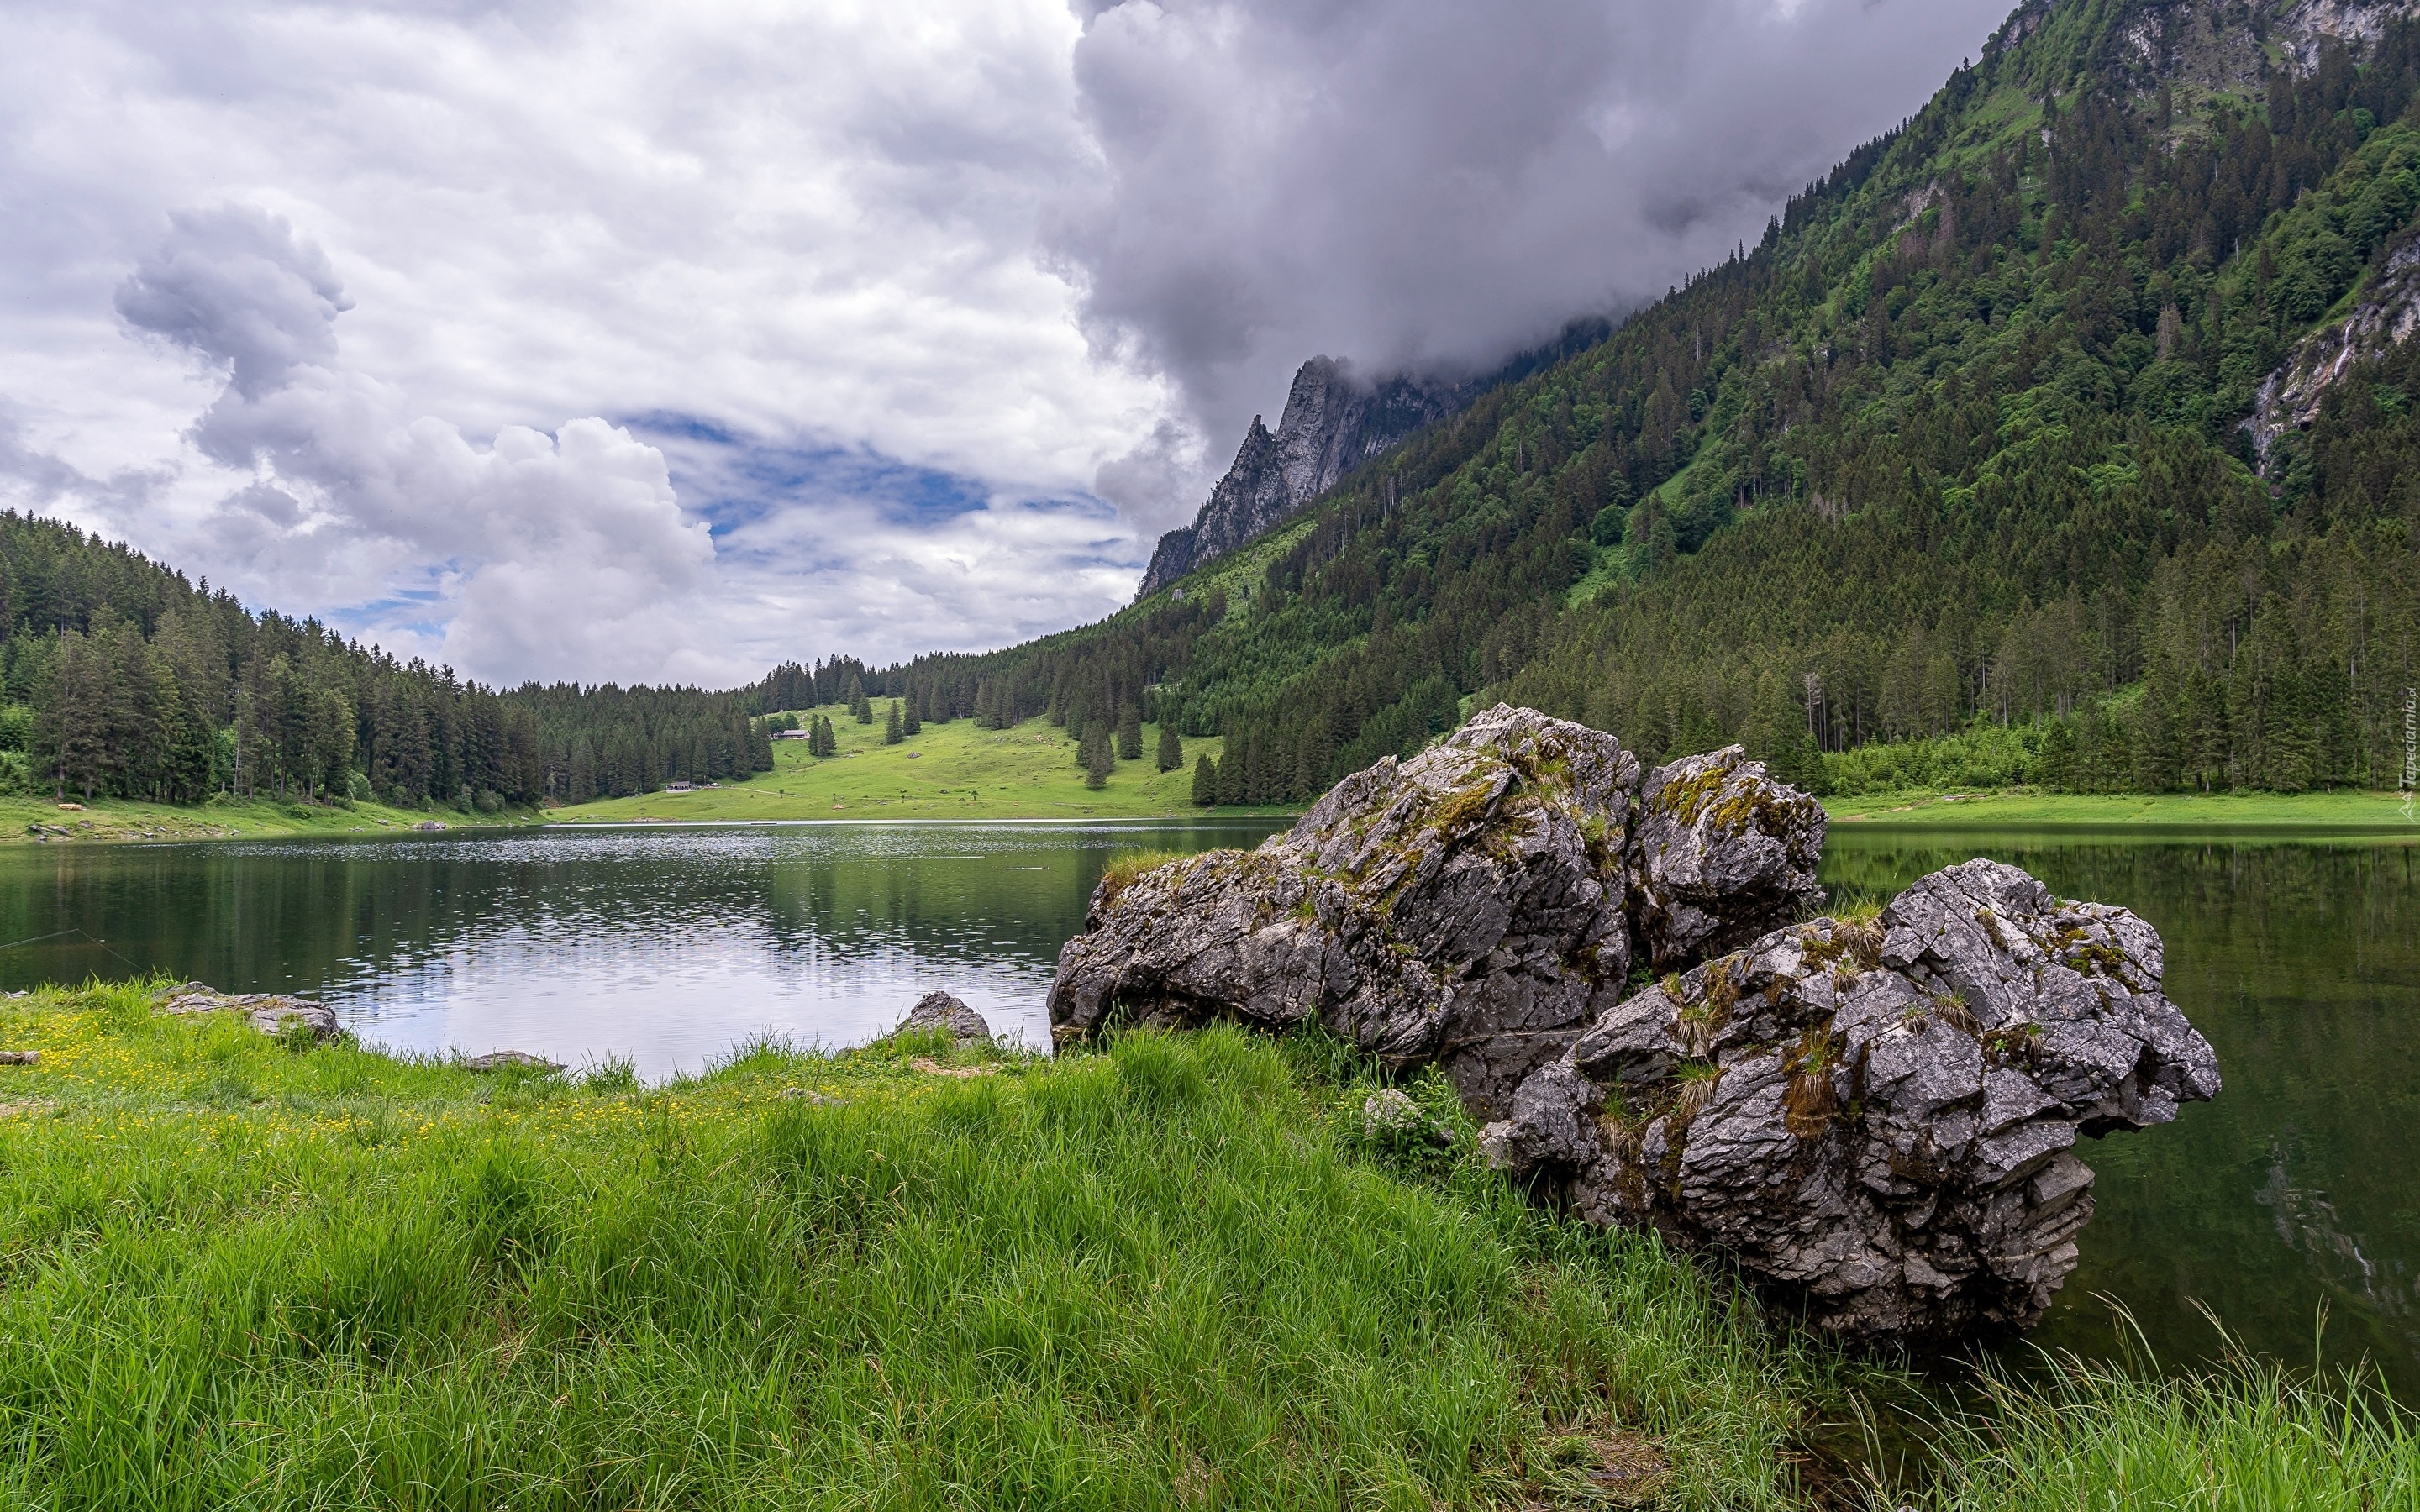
<point>1875,1120</point>
<point>1474,907</point>
<point>269,1013</point>
<point>943,1011</point>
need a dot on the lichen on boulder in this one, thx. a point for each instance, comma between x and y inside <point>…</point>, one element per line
<point>1875,1121</point>
<point>1472,906</point>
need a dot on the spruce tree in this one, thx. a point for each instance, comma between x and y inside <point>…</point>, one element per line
<point>1101,760</point>
<point>1205,781</point>
<point>894,729</point>
<point>1130,733</point>
<point>915,718</point>
<point>1171,751</point>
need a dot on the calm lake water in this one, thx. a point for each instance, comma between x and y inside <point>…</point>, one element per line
<point>2300,1186</point>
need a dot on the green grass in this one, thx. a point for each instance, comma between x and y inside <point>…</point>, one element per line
<point>950,771</point>
<point>30,820</point>
<point>2032,806</point>
<point>1179,1272</point>
<point>1163,1275</point>
<point>2252,1438</point>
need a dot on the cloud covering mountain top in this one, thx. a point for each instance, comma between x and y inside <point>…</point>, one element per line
<point>634,342</point>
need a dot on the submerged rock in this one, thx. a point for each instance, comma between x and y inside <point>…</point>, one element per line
<point>269,1013</point>
<point>1876,1121</point>
<point>941,1012</point>
<point>1473,906</point>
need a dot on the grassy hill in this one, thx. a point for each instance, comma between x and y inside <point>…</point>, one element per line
<point>955,771</point>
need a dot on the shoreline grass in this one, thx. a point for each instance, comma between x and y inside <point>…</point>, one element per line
<point>30,820</point>
<point>1173,1272</point>
<point>1156,1276</point>
<point>2012,808</point>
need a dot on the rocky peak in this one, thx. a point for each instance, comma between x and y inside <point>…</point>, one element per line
<point>1333,423</point>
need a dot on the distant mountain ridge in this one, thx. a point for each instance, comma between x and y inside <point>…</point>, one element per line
<point>1332,423</point>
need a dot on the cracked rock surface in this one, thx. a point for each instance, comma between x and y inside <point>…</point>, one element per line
<point>1474,907</point>
<point>1876,1121</point>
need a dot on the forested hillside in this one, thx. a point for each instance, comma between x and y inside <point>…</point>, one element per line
<point>1961,445</point>
<point>2061,435</point>
<point>120,678</point>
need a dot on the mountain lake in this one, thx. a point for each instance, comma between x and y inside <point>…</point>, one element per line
<point>2294,1196</point>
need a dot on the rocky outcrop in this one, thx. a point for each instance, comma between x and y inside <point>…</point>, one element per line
<point>1724,854</point>
<point>1333,423</point>
<point>269,1013</point>
<point>1877,1122</point>
<point>2387,315</point>
<point>1473,907</point>
<point>940,1011</point>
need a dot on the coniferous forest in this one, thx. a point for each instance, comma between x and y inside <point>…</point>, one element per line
<point>1949,478</point>
<point>1962,473</point>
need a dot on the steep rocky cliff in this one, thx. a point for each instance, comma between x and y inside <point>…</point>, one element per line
<point>1333,423</point>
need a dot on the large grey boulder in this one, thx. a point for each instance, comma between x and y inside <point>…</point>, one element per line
<point>1875,1121</point>
<point>1473,906</point>
<point>1725,853</point>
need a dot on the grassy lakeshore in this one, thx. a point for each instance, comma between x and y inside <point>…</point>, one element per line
<point>41,821</point>
<point>2379,811</point>
<point>236,1272</point>
<point>950,771</point>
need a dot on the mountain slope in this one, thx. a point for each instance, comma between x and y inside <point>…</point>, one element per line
<point>1961,438</point>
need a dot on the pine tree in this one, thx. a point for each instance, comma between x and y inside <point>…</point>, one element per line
<point>1171,751</point>
<point>1130,733</point>
<point>1205,781</point>
<point>894,729</point>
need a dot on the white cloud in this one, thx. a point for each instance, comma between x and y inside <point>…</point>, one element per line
<point>1428,183</point>
<point>632,341</point>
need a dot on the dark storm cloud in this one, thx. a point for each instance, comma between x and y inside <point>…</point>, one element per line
<point>1414,183</point>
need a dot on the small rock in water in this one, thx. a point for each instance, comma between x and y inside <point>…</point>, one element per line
<point>269,1013</point>
<point>939,1011</point>
<point>499,1059</point>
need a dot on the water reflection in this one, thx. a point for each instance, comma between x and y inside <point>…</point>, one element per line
<point>666,946</point>
<point>669,946</point>
<point>2296,1186</point>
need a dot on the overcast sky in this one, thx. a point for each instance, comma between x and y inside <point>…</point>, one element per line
<point>647,342</point>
